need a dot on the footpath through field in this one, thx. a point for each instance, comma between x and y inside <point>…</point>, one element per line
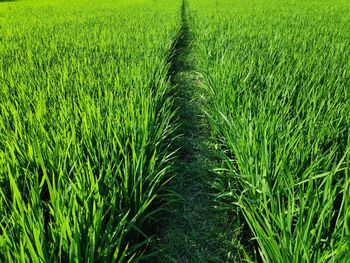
<point>193,231</point>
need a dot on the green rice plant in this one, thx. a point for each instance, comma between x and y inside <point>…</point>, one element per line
<point>85,125</point>
<point>277,78</point>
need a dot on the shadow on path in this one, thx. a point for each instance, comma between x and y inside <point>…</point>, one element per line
<point>193,230</point>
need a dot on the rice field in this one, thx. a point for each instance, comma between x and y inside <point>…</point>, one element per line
<point>89,114</point>
<point>278,90</point>
<point>84,126</point>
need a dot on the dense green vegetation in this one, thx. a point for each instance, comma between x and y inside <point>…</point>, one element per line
<point>84,126</point>
<point>97,96</point>
<point>277,78</point>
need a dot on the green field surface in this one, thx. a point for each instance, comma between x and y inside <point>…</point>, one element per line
<point>175,131</point>
<point>84,125</point>
<point>278,81</point>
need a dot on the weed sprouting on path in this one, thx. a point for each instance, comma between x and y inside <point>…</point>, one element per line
<point>194,231</point>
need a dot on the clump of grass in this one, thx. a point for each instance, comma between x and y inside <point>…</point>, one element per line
<point>277,76</point>
<point>85,123</point>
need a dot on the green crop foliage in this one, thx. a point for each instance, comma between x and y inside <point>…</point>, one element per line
<point>87,119</point>
<point>85,125</point>
<point>277,75</point>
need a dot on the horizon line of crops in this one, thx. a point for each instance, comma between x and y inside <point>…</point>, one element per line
<point>85,126</point>
<point>278,98</point>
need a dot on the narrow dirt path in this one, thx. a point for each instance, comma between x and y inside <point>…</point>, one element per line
<point>193,231</point>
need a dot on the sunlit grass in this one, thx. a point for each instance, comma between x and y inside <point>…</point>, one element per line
<point>278,83</point>
<point>84,126</point>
